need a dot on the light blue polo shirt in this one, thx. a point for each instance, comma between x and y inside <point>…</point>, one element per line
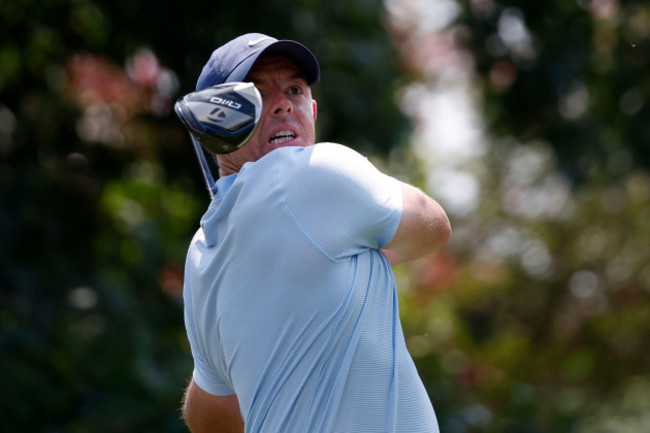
<point>290,304</point>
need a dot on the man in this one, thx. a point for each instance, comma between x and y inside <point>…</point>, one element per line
<point>290,300</point>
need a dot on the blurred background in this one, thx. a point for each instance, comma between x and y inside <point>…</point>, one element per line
<point>529,121</point>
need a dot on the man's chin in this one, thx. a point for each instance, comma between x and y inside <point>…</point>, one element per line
<point>290,143</point>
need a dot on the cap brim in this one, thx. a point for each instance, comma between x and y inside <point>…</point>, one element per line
<point>293,50</point>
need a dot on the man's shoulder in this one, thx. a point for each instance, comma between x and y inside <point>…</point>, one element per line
<point>322,154</point>
<point>323,148</point>
<point>337,149</point>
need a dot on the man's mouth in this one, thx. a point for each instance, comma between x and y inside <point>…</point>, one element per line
<point>282,137</point>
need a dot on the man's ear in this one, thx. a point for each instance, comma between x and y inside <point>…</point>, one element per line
<point>314,108</point>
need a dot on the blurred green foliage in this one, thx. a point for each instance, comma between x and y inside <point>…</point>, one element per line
<point>536,317</point>
<point>533,320</point>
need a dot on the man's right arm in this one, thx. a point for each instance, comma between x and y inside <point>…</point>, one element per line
<point>206,413</point>
<point>423,227</point>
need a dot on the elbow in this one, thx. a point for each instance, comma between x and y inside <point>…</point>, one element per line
<point>444,235</point>
<point>440,237</point>
<point>441,229</point>
<point>446,231</point>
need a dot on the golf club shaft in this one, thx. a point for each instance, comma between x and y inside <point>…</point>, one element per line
<point>205,167</point>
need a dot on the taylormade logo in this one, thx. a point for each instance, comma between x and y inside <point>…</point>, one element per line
<point>225,102</point>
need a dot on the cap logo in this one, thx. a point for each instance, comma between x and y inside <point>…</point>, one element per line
<point>253,42</point>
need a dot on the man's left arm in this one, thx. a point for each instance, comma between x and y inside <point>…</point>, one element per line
<point>423,227</point>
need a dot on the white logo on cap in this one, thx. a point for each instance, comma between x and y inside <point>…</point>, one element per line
<point>252,43</point>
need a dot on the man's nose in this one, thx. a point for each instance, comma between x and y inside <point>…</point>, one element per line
<point>280,104</point>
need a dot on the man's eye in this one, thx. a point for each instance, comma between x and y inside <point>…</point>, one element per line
<point>295,90</point>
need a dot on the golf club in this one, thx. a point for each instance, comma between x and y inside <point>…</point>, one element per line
<point>220,119</point>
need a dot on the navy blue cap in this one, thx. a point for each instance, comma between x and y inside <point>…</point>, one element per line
<point>234,60</point>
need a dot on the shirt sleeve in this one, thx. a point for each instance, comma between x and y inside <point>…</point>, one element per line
<point>342,201</point>
<point>205,376</point>
<point>209,381</point>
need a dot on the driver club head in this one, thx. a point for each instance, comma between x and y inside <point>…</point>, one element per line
<point>222,118</point>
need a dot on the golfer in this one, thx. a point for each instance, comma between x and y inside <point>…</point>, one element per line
<point>290,299</point>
